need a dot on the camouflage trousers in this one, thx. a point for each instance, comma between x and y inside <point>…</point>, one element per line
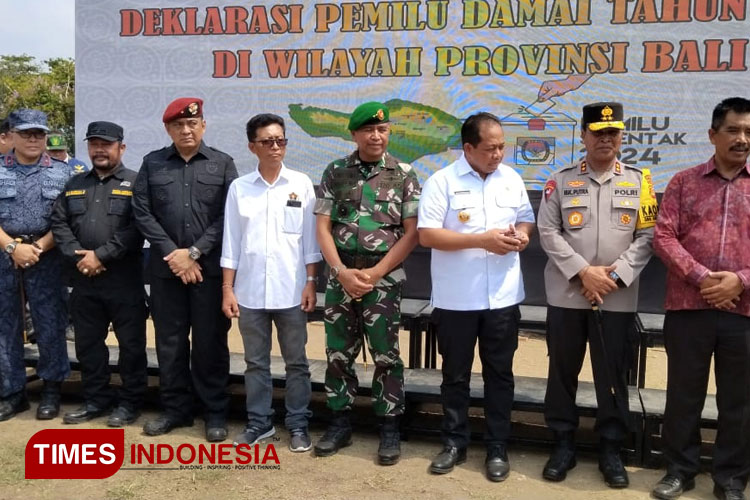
<point>376,317</point>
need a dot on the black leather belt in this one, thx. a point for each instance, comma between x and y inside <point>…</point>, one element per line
<point>359,260</point>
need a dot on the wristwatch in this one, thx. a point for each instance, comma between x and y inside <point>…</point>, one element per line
<point>11,247</point>
<point>194,253</point>
<point>335,270</point>
<point>314,279</point>
<point>616,278</point>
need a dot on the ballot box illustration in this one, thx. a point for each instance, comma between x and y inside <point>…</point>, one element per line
<point>538,142</point>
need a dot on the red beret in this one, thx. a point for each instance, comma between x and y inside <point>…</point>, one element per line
<point>184,107</point>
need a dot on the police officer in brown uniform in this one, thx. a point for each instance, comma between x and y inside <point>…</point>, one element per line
<point>596,226</point>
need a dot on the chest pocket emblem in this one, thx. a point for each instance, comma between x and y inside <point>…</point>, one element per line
<point>464,216</point>
<point>625,219</point>
<point>575,218</point>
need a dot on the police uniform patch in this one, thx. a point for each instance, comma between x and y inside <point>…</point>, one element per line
<point>549,188</point>
<point>648,209</point>
<point>575,201</point>
<point>575,218</point>
<point>125,184</point>
<point>576,184</point>
<point>122,192</point>
<point>625,219</point>
<point>75,192</point>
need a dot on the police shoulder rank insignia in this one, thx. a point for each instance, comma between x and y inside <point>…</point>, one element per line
<point>618,168</point>
<point>584,168</point>
<point>464,216</point>
<point>549,188</point>
<point>575,219</point>
<point>648,210</point>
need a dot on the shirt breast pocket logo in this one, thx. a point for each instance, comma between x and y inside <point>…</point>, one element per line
<point>208,187</point>
<point>624,212</point>
<point>293,216</point>
<point>575,212</point>
<point>160,187</point>
<point>464,207</point>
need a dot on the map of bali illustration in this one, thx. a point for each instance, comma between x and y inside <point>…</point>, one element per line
<point>538,139</point>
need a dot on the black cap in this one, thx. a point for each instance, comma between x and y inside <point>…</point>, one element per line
<point>108,131</point>
<point>601,115</point>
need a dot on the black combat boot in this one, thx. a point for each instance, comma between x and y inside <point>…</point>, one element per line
<point>389,450</point>
<point>610,464</point>
<point>562,458</point>
<point>338,435</point>
<point>49,404</point>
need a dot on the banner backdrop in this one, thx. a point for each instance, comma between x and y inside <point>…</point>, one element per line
<point>533,63</point>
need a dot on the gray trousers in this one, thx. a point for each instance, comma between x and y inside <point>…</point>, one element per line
<point>291,326</point>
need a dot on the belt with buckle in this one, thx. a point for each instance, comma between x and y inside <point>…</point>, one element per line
<point>360,260</point>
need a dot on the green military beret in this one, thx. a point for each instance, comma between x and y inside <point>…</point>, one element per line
<point>367,114</point>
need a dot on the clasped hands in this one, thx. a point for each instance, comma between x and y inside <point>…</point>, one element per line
<point>185,268</point>
<point>503,241</point>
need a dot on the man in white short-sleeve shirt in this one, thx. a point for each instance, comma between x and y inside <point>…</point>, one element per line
<point>476,216</point>
<point>269,263</point>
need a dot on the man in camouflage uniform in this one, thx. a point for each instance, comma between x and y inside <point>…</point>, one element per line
<point>367,225</point>
<point>30,181</point>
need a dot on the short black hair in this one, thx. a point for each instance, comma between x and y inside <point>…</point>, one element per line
<point>5,126</point>
<point>470,128</point>
<point>260,121</point>
<point>739,105</point>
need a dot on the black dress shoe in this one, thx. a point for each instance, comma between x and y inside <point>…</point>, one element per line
<point>672,486</point>
<point>497,464</point>
<point>615,475</point>
<point>447,459</point>
<point>165,423</point>
<point>728,493</point>
<point>216,431</point>
<point>12,405</point>
<point>122,416</point>
<point>562,459</point>
<point>84,414</point>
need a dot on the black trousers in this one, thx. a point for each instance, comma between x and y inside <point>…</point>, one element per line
<point>93,308</point>
<point>457,335</point>
<point>179,310</point>
<point>691,339</point>
<point>568,330</point>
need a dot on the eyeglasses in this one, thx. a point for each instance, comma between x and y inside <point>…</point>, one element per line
<point>267,143</point>
<point>28,134</point>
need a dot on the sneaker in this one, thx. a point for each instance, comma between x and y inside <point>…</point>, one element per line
<point>300,440</point>
<point>252,434</point>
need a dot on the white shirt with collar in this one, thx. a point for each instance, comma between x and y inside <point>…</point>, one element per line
<point>269,237</point>
<point>458,199</point>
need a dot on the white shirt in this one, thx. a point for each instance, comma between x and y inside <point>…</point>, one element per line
<point>269,237</point>
<point>474,279</point>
